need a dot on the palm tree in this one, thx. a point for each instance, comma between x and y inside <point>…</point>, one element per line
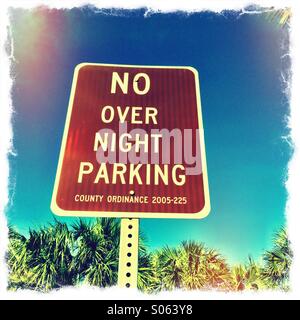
<point>276,269</point>
<point>96,249</point>
<point>217,271</point>
<point>42,260</point>
<point>167,269</point>
<point>190,266</point>
<point>54,256</point>
<point>247,276</point>
<point>16,259</point>
<point>194,263</point>
<point>145,271</point>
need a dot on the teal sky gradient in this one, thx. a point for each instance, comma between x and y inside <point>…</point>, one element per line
<point>239,59</point>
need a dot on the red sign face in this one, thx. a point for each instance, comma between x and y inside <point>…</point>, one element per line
<point>133,144</point>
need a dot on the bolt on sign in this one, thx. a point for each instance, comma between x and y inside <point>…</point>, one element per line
<point>133,144</point>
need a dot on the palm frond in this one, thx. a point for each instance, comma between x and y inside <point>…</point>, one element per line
<point>280,16</point>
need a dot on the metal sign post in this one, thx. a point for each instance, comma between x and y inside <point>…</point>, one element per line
<point>128,253</point>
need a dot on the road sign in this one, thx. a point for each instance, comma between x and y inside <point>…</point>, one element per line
<point>133,144</point>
